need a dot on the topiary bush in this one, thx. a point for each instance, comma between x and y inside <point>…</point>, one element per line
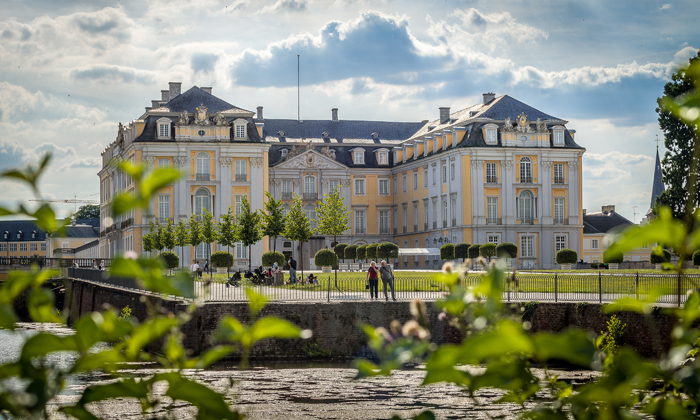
<point>487,250</point>
<point>507,250</point>
<point>387,250</point>
<point>351,252</point>
<point>462,250</point>
<point>613,259</point>
<point>566,256</point>
<point>474,251</point>
<point>170,259</point>
<point>325,258</point>
<point>696,258</point>
<point>371,251</point>
<point>659,259</point>
<point>339,250</point>
<point>447,252</point>
<point>221,259</point>
<point>362,252</point>
<point>271,257</point>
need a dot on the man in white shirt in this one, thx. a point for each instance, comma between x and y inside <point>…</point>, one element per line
<point>195,268</point>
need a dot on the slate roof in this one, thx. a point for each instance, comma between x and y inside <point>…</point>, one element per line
<point>604,222</point>
<point>195,97</point>
<point>343,154</point>
<point>506,106</point>
<point>475,138</point>
<point>82,231</point>
<point>25,226</point>
<point>94,222</point>
<point>151,127</point>
<point>342,131</point>
<point>658,186</point>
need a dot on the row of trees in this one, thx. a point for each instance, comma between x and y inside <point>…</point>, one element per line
<point>383,250</point>
<point>465,250</point>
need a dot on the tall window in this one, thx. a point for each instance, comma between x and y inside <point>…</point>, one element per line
<point>13,247</point>
<point>359,158</point>
<point>594,244</point>
<point>310,212</point>
<point>396,219</point>
<point>3,247</point>
<point>163,130</point>
<point>383,158</point>
<point>335,183</point>
<point>203,166</point>
<point>493,239</point>
<point>559,210</point>
<point>360,222</point>
<point>527,249</point>
<point>359,187</point>
<point>405,218</point>
<point>240,131</point>
<point>452,171</point>
<point>491,135</point>
<point>425,215</point>
<point>163,207</point>
<point>309,186</point>
<point>434,177</point>
<point>395,186</point>
<point>453,211</point>
<point>32,247</point>
<point>241,170</point>
<point>415,217</point>
<point>163,163</point>
<point>525,204</point>
<point>491,173</point>
<point>444,174</point>
<point>435,214</point>
<point>492,210</point>
<point>425,178</point>
<point>526,170</point>
<point>286,188</point>
<point>42,247</point>
<point>559,243</point>
<point>403,183</point>
<point>200,251</point>
<point>383,187</point>
<point>241,251</point>
<point>558,171</point>
<point>415,180</point>
<point>444,213</point>
<point>201,201</point>
<point>384,222</point>
<point>558,137</point>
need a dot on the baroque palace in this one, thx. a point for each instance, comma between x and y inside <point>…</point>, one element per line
<point>498,171</point>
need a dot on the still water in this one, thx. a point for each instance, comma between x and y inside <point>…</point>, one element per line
<point>283,390</point>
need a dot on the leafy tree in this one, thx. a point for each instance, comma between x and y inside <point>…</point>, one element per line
<point>168,236</point>
<point>155,231</point>
<point>271,257</point>
<point>679,139</point>
<point>371,251</point>
<point>88,211</point>
<point>362,252</point>
<point>208,231</point>
<point>226,229</point>
<point>462,251</point>
<point>332,217</point>
<point>339,250</point>
<point>387,250</point>
<point>298,227</point>
<point>195,235</point>
<point>506,250</point>
<point>147,242</point>
<point>489,250</point>
<point>351,252</point>
<point>273,220</point>
<point>180,235</point>
<point>447,252</point>
<point>249,227</point>
<point>170,259</point>
<point>221,259</point>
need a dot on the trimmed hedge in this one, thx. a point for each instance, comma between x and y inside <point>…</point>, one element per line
<point>462,250</point>
<point>566,256</point>
<point>170,259</point>
<point>447,252</point>
<point>362,252</point>
<point>271,257</point>
<point>507,250</point>
<point>613,259</point>
<point>487,250</point>
<point>350,252</point>
<point>339,250</point>
<point>387,250</point>
<point>221,259</point>
<point>696,258</point>
<point>325,258</point>
<point>371,251</point>
<point>474,251</point>
<point>657,259</point>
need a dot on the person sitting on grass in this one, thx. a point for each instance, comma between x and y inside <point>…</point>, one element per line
<point>312,279</point>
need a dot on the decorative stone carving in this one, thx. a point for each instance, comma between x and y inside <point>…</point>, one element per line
<point>296,150</point>
<point>120,133</point>
<point>325,183</point>
<point>434,164</point>
<point>508,164</point>
<point>541,126</point>
<point>225,161</point>
<point>573,166</point>
<point>256,162</point>
<point>181,161</point>
<point>310,146</point>
<point>546,165</point>
<point>184,118</point>
<point>507,126</point>
<point>220,119</point>
<point>201,117</point>
<point>345,182</point>
<point>326,151</point>
<point>478,164</point>
<point>295,182</point>
<point>523,124</point>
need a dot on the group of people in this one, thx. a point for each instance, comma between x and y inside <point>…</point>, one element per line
<point>387,275</point>
<point>310,279</point>
<point>100,267</point>
<point>195,268</point>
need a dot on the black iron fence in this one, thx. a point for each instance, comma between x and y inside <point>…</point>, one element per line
<point>43,262</point>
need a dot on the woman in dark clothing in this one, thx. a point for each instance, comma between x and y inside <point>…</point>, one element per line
<point>373,280</point>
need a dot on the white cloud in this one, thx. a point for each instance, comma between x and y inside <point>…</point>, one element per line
<point>666,7</point>
<point>284,6</point>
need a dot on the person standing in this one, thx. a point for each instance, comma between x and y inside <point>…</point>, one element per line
<point>373,280</point>
<point>387,279</point>
<point>195,268</point>
<point>292,270</point>
<point>94,265</point>
<point>102,265</point>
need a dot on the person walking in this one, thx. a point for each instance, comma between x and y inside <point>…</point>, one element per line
<point>292,270</point>
<point>373,280</point>
<point>94,265</point>
<point>387,279</point>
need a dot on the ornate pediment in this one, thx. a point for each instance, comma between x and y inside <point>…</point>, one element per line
<point>310,159</point>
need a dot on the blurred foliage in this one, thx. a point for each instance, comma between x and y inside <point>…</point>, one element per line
<point>28,385</point>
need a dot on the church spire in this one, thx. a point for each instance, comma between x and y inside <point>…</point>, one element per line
<point>658,186</point>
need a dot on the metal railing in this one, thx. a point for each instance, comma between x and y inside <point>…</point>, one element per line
<point>202,177</point>
<point>241,177</point>
<point>360,231</point>
<point>492,180</point>
<point>44,262</point>
<point>454,222</point>
<point>162,220</point>
<point>527,221</point>
<point>600,287</point>
<point>310,196</point>
<point>526,180</point>
<point>384,231</point>
<point>287,195</point>
<point>558,180</point>
<point>415,228</point>
<point>493,220</point>
<point>561,221</point>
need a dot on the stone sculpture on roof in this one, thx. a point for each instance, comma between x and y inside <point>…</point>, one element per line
<point>120,133</point>
<point>507,125</point>
<point>201,117</point>
<point>220,119</point>
<point>523,124</point>
<point>184,118</point>
<point>326,151</point>
<point>296,149</point>
<point>541,126</point>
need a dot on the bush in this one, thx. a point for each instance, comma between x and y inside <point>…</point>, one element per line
<point>567,256</point>
<point>325,258</point>
<point>507,250</point>
<point>594,265</point>
<point>170,259</point>
<point>351,252</point>
<point>339,250</point>
<point>371,251</point>
<point>696,258</point>
<point>613,259</point>
<point>271,257</point>
<point>462,250</point>
<point>487,250</point>
<point>474,251</point>
<point>658,259</point>
<point>447,252</point>
<point>387,250</point>
<point>221,259</point>
<point>362,252</point>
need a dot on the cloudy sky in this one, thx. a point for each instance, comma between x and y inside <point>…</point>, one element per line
<point>70,71</point>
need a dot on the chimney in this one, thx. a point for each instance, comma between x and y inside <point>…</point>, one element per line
<point>584,212</point>
<point>488,97</point>
<point>260,114</point>
<point>206,89</point>
<point>155,104</point>
<point>444,114</point>
<point>164,95</point>
<point>334,114</point>
<point>608,209</point>
<point>174,89</point>
<point>425,122</point>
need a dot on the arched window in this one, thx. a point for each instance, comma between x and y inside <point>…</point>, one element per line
<point>202,200</point>
<point>526,170</point>
<point>405,258</point>
<point>525,207</point>
<point>203,166</point>
<point>310,212</point>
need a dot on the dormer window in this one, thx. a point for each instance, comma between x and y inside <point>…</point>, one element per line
<point>358,156</point>
<point>164,128</point>
<point>239,127</point>
<point>490,136</point>
<point>33,234</point>
<point>280,133</point>
<point>382,156</point>
<point>325,134</point>
<point>6,235</point>
<point>558,133</point>
<point>283,153</point>
<point>375,136</point>
<point>19,235</point>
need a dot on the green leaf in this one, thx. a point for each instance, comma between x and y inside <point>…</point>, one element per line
<point>230,330</point>
<point>272,327</point>
<point>664,230</point>
<point>123,202</point>
<point>573,346</point>
<point>41,306</point>
<point>211,404</point>
<point>125,388</point>
<point>107,360</point>
<point>366,369</point>
<point>7,317</point>
<point>159,179</point>
<point>507,338</point>
<point>210,357</point>
<point>640,306</point>
<point>44,343</point>
<point>100,327</point>
<point>147,332</point>
<point>256,301</point>
<point>45,218</point>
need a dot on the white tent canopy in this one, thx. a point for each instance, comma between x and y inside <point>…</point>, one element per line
<point>419,251</point>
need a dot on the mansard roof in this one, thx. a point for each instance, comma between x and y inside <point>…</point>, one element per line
<point>24,226</point>
<point>341,131</point>
<point>195,97</point>
<point>151,126</point>
<point>604,222</point>
<point>343,154</point>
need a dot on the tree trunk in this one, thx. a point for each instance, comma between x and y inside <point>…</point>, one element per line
<point>250,264</point>
<point>301,258</point>
<point>274,245</point>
